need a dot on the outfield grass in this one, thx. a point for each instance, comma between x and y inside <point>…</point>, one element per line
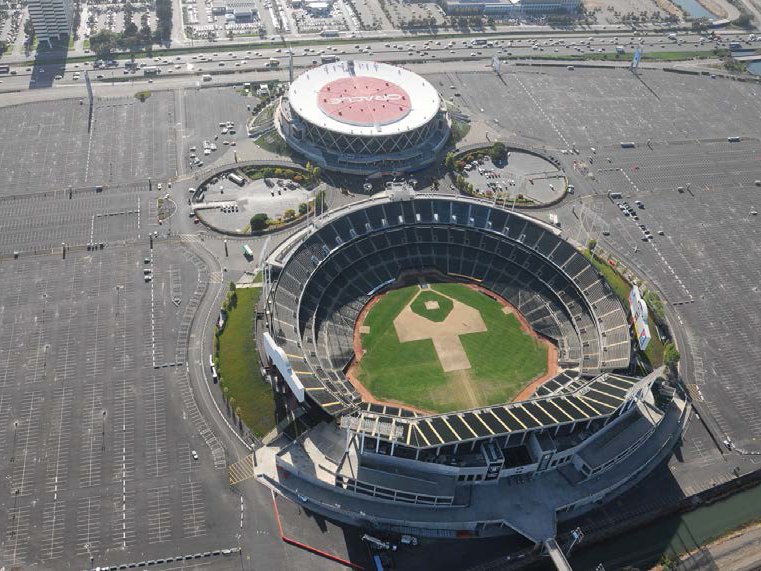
<point>504,354</point>
<point>437,315</point>
<point>239,366</point>
<point>503,359</point>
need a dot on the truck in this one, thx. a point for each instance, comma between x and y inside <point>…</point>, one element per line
<point>272,63</point>
<point>478,42</point>
<point>152,70</point>
<point>735,46</point>
<point>206,77</point>
<point>329,59</point>
<point>378,543</point>
<point>236,178</point>
<point>247,252</point>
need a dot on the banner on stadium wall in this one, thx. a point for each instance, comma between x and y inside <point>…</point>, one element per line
<point>637,305</point>
<point>643,333</point>
<point>278,357</point>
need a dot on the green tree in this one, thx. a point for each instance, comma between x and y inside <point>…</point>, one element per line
<point>591,244</point>
<point>29,30</point>
<point>233,299</point>
<point>316,172</point>
<point>130,29</point>
<point>259,221</point>
<point>104,43</point>
<point>289,214</point>
<point>449,161</point>
<point>303,208</point>
<point>319,202</point>
<point>226,393</point>
<point>498,150</point>
<point>671,355</point>
<point>164,16</point>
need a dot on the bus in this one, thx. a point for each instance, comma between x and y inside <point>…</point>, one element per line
<point>329,33</point>
<point>206,77</point>
<point>152,70</point>
<point>214,376</point>
<point>5,69</point>
<point>329,59</point>
<point>247,252</point>
<point>236,178</point>
<point>272,63</point>
<point>478,42</point>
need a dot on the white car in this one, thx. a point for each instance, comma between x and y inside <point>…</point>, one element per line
<point>194,454</point>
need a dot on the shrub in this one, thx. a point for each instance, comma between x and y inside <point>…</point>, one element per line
<point>259,221</point>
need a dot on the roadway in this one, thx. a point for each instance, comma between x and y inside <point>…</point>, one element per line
<point>215,61</point>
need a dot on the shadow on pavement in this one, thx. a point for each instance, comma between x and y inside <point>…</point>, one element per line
<point>49,63</point>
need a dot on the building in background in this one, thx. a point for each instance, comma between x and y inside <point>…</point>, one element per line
<point>51,19</point>
<point>508,8</point>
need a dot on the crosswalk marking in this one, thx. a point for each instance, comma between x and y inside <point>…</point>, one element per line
<point>242,470</point>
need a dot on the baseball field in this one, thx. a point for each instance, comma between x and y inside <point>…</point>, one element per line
<point>446,347</point>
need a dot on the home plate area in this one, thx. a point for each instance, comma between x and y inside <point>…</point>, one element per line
<point>462,319</point>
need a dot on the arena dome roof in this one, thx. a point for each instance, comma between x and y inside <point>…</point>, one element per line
<point>364,98</point>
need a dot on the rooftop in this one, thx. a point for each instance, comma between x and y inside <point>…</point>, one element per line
<point>364,98</point>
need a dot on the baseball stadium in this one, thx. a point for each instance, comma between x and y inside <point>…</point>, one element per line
<point>363,117</point>
<point>462,369</point>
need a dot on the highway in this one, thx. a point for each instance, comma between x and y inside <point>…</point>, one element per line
<point>219,62</point>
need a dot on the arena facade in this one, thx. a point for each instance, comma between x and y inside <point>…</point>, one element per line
<point>585,435</point>
<point>362,117</point>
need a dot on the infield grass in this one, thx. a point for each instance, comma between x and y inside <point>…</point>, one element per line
<point>436,315</point>
<point>503,359</point>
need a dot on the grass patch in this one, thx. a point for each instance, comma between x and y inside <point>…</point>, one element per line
<point>654,352</point>
<point>273,143</point>
<point>459,130</point>
<point>239,366</point>
<point>436,315</point>
<point>503,358</point>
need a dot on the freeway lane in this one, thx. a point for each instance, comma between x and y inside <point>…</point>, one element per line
<point>401,53</point>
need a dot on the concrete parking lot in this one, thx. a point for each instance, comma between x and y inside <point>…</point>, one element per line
<point>253,198</point>
<point>599,108</point>
<point>95,446</point>
<point>52,149</point>
<point>524,175</point>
